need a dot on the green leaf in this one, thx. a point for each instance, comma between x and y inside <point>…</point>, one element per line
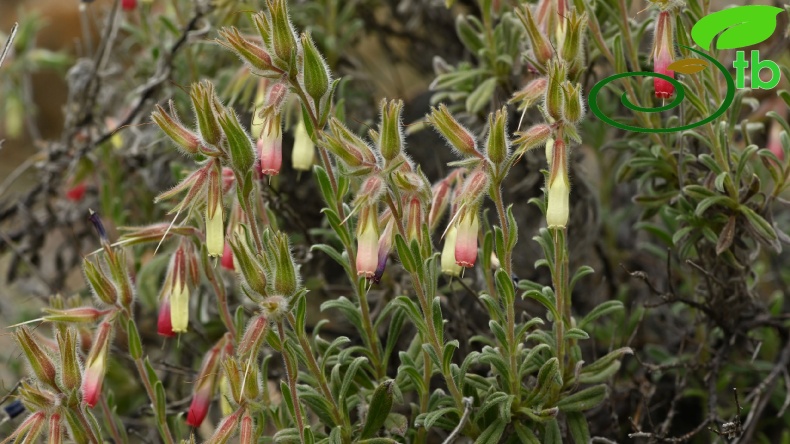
<point>350,374</point>
<point>161,401</point>
<point>380,406</point>
<point>583,271</point>
<point>525,435</point>
<point>481,96</point>
<point>577,425</point>
<point>576,333</point>
<point>135,346</point>
<point>760,225</point>
<point>492,433</point>
<point>551,432</point>
<point>602,309</point>
<point>430,418</point>
<point>583,400</point>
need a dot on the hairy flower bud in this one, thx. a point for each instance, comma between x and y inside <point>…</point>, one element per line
<point>253,337</point>
<point>178,133</point>
<point>414,220</point>
<point>532,138</point>
<point>557,74</point>
<point>247,263</point>
<point>497,145</point>
<point>39,361</point>
<point>270,146</point>
<point>457,136</point>
<point>557,210</point>
<point>100,283</point>
<point>28,431</point>
<point>573,111</point>
<point>164,324</point>
<point>247,435</point>
<point>530,94</point>
<point>73,315</point>
<point>283,35</point>
<point>70,377</point>
<point>573,41</point>
<point>96,365</point>
<point>315,69</point>
<point>440,200</point>
<point>449,266</point>
<point>55,433</point>
<point>663,55</point>
<point>286,282</point>
<point>226,428</point>
<point>247,51</point>
<point>303,154</point>
<point>385,246</point>
<point>367,242</point>
<point>541,48</point>
<point>242,152</point>
<point>390,134</point>
<point>204,101</point>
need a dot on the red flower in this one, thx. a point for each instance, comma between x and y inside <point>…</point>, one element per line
<point>227,258</point>
<point>663,55</point>
<point>128,5</point>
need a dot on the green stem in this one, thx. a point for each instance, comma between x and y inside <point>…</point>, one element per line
<point>507,264</point>
<point>312,364</point>
<point>289,370</point>
<point>560,281</point>
<point>116,435</point>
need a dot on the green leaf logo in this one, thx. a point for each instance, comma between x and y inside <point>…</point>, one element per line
<point>739,26</point>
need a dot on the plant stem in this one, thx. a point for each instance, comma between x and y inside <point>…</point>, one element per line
<point>507,265</point>
<point>289,369</point>
<point>86,425</point>
<point>222,302</point>
<point>559,277</point>
<point>315,369</point>
<point>116,435</point>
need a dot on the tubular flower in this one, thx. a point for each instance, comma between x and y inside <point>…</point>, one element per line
<point>179,294</point>
<point>367,242</point>
<point>557,211</point>
<point>385,245</point>
<point>303,153</point>
<point>164,325</point>
<point>215,232</point>
<point>227,258</point>
<point>204,386</point>
<point>466,238</point>
<point>663,55</point>
<point>96,365</point>
<point>270,147</point>
<point>449,266</point>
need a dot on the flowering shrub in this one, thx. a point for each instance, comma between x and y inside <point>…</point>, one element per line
<point>270,375</point>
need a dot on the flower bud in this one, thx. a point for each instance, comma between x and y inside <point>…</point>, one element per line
<point>257,124</point>
<point>348,146</point>
<point>315,69</point>
<point>70,377</point>
<point>96,365</point>
<point>303,154</point>
<point>247,429</point>
<point>28,431</point>
<point>475,186</point>
<point>253,337</point>
<point>55,434</point>
<point>242,152</point>
<point>532,138</point>
<point>203,100</point>
<point>282,35</point>
<point>390,134</point>
<point>178,133</point>
<point>449,265</point>
<point>385,246</point>
<point>203,389</point>
<point>440,200</point>
<point>530,94</point>
<point>367,242</point>
<point>73,315</point>
<point>224,391</point>
<point>557,210</point>
<point>557,73</point>
<point>573,41</point>
<point>247,263</point>
<point>414,221</point>
<point>457,136</point>
<point>179,292</point>
<point>663,55</point>
<point>270,146</point>
<point>286,281</point>
<point>497,145</point>
<point>573,111</point>
<point>468,226</point>
<point>541,48</point>
<point>225,429</point>
<point>247,51</point>
<point>39,361</point>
